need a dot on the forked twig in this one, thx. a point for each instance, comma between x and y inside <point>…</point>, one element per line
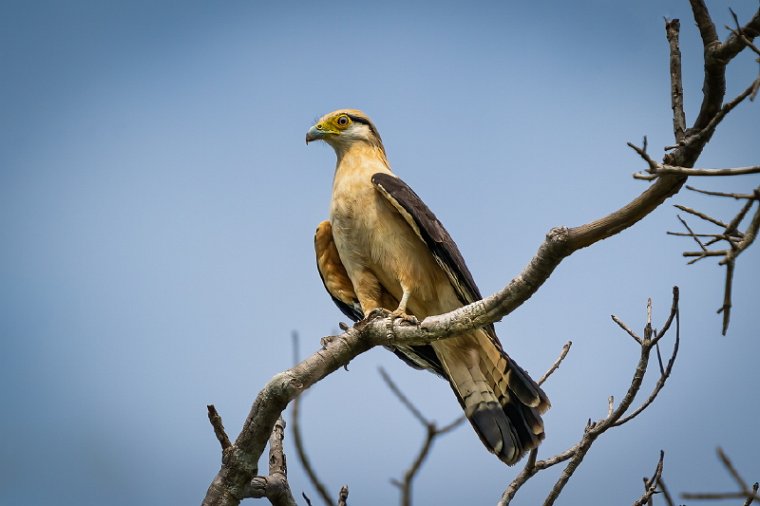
<point>616,415</point>
<point>432,432</point>
<point>745,491</point>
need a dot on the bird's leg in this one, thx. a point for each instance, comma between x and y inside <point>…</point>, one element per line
<point>370,295</point>
<point>400,311</point>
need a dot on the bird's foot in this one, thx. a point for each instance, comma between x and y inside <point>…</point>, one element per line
<point>400,314</point>
<point>378,312</point>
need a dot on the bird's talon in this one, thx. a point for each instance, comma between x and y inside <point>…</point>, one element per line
<point>377,312</point>
<point>405,318</point>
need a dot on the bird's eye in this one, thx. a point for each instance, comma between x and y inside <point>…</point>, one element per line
<point>343,120</point>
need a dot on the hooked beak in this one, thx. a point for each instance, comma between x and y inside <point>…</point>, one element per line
<point>314,134</point>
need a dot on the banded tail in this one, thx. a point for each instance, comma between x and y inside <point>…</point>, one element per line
<point>502,402</point>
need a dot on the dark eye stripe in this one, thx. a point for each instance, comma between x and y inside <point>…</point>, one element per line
<point>365,121</point>
<point>359,119</point>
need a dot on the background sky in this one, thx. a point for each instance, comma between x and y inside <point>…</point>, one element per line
<point>157,207</point>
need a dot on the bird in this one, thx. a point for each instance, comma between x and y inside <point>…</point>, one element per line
<point>382,249</point>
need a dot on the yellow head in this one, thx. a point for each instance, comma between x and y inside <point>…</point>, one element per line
<point>342,128</point>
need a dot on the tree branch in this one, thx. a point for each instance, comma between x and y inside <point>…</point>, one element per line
<point>431,433</point>
<point>745,491</point>
<point>556,364</point>
<point>216,423</point>
<point>650,485</point>
<point>275,486</point>
<point>672,30</point>
<point>614,417</point>
<point>298,439</point>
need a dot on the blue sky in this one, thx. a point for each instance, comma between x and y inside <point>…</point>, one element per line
<point>157,206</point>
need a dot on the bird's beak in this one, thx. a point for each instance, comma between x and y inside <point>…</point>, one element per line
<point>314,134</point>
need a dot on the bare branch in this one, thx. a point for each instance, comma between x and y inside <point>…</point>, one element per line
<point>739,33</point>
<point>216,423</point>
<point>614,417</point>
<point>665,493</point>
<point>731,469</point>
<point>726,307</point>
<point>664,371</point>
<point>431,433</point>
<point>625,327</point>
<point>670,169</point>
<point>703,135</point>
<point>745,492</point>
<point>738,241</point>
<point>672,29</point>
<point>650,485</point>
<point>274,486</point>
<point>298,443</point>
<point>738,39</point>
<point>700,215</point>
<point>691,233</point>
<point>343,496</point>
<point>403,398</point>
<point>737,196</point>
<point>556,364</point>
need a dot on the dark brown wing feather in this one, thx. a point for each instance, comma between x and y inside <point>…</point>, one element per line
<point>434,235</point>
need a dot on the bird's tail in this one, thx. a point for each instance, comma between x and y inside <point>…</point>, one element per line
<point>502,402</point>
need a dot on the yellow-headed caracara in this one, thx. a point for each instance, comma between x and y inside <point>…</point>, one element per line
<point>382,248</point>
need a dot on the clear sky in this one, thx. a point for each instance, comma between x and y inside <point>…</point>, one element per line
<point>157,206</point>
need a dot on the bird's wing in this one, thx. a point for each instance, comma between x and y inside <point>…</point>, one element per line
<point>333,273</point>
<point>434,235</point>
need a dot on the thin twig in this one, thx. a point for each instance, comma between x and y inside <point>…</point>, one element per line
<point>625,327</point>
<point>731,469</point>
<point>737,196</point>
<point>343,496</point>
<point>664,371</point>
<point>745,492</point>
<point>593,430</point>
<point>556,364</point>
<point>672,29</point>
<point>691,232</point>
<point>216,423</point>
<point>665,493</point>
<point>431,433</point>
<point>700,215</point>
<point>650,485</point>
<point>707,131</point>
<point>403,398</point>
<point>726,307</point>
<point>739,32</point>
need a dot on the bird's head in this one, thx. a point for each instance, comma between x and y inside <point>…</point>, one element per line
<point>344,127</point>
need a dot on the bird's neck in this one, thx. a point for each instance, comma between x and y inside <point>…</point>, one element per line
<point>360,160</point>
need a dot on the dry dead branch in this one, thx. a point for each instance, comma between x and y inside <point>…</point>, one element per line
<point>616,416</point>
<point>749,494</point>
